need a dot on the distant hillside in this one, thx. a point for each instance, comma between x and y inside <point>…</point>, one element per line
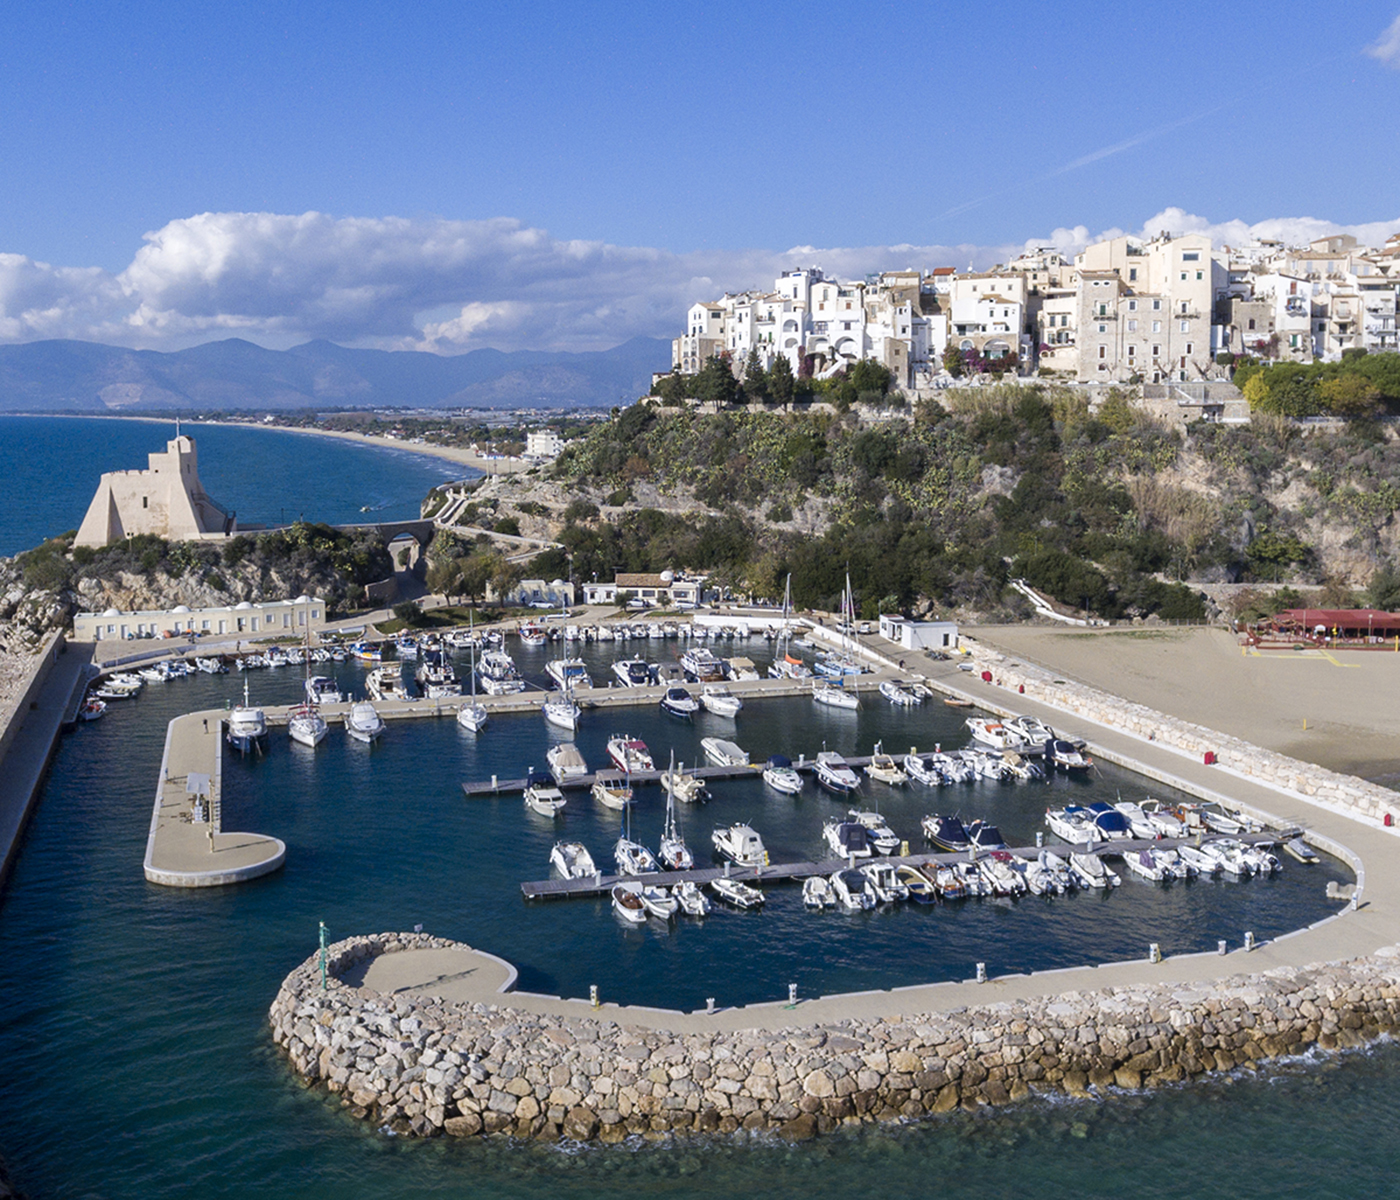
<point>234,374</point>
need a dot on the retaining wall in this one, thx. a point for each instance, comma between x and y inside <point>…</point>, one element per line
<point>425,1067</point>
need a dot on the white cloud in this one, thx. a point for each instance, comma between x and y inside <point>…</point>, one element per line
<point>451,286</point>
<point>1386,48</point>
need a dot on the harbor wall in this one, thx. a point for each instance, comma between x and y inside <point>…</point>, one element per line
<point>425,1067</point>
<point>22,763</point>
<point>1305,781</point>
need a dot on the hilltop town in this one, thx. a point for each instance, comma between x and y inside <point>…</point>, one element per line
<point>1159,311</point>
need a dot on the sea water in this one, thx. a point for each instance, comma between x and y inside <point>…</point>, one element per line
<point>52,465</point>
<point>133,1017</point>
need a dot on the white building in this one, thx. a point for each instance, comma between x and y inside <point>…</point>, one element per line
<point>919,635</point>
<point>543,444</point>
<point>244,619</point>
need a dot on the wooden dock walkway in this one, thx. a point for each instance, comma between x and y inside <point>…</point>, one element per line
<point>600,884</point>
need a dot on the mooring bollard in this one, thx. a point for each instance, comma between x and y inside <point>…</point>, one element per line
<point>593,994</point>
<point>1154,953</point>
<point>981,972</point>
<point>709,1004</point>
<point>1249,940</point>
<point>1039,839</point>
<point>493,784</point>
<point>1220,946</point>
<point>792,995</point>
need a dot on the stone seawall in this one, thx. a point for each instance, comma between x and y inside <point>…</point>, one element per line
<point>1318,785</point>
<point>425,1066</point>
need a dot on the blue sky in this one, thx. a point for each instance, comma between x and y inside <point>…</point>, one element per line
<point>447,175</point>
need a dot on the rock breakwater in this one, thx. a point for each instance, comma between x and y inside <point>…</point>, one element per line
<point>425,1066</point>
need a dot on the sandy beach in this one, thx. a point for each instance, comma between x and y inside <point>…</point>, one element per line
<point>1339,709</point>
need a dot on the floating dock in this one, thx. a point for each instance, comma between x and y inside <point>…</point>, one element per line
<point>496,787</point>
<point>600,884</point>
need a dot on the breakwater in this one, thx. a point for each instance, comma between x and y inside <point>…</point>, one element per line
<point>428,1066</point>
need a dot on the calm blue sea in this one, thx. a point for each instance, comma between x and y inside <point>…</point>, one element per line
<point>133,1018</point>
<point>51,467</point>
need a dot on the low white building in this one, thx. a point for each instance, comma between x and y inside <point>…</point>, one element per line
<point>919,635</point>
<point>244,619</point>
<point>665,590</point>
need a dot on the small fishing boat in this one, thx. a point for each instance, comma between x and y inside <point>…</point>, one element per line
<point>920,887</point>
<point>367,652</point>
<point>1090,871</point>
<point>322,689</point>
<point>544,799</point>
<point>611,790</point>
<point>627,902</point>
<point>741,895</point>
<point>883,767</point>
<point>780,775</point>
<point>896,693</point>
<point>659,902</point>
<point>817,893</point>
<point>572,860</point>
<point>93,709</point>
<point>363,722</point>
<point>956,702</point>
<point>917,767</point>
<point>693,902</point>
<point>688,789</point>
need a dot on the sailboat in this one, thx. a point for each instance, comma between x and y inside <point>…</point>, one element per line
<point>472,715</point>
<point>785,665</point>
<point>673,852</point>
<point>304,721</point>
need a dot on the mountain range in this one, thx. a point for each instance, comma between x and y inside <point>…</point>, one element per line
<point>72,376</point>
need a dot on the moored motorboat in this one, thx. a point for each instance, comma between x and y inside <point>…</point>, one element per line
<point>883,767</point>
<point>1066,756</point>
<point>572,860</point>
<point>322,689</point>
<point>884,882</point>
<point>544,799</point>
<point>678,702</point>
<point>780,775</point>
<point>659,902</point>
<point>817,893</point>
<point>741,895</point>
<point>611,790</point>
<point>627,902</point>
<point>740,844</point>
<point>724,753</point>
<point>882,837</point>
<point>921,768</point>
<point>92,709</point>
<point>386,683</point>
<point>834,774</point>
<point>985,836</point>
<point>847,839</point>
<point>991,732</point>
<point>700,666</point>
<point>852,890</point>
<point>629,753</point>
<point>693,902</point>
<point>1090,871</point>
<point>947,833</point>
<point>565,762</point>
<point>568,673</point>
<point>1300,850</point>
<point>246,729</point>
<point>688,789</point>
<point>896,693</point>
<point>920,887</point>
<point>363,722</point>
<point>719,700</point>
<point>632,672</point>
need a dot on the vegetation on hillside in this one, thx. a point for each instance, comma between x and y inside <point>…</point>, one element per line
<point>1106,510</point>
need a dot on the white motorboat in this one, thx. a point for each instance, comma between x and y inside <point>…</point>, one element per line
<point>917,767</point>
<point>1033,731</point>
<point>632,672</point>
<point>560,710</point>
<point>1229,854</point>
<point>740,844</point>
<point>211,666</point>
<point>1109,823</point>
<point>700,666</point>
<point>154,674</point>
<point>1219,820</point>
<point>93,709</point>
<point>627,902</point>
<point>719,700</point>
<point>852,890</point>
<point>386,683</point>
<point>688,789</point>
<point>675,855</point>
<point>1181,866</point>
<point>633,858</point>
<point>991,732</point>
<point>544,799</point>
<point>1000,873</point>
<point>498,674</point>
<point>1300,850</point>
<point>1066,756</point>
<point>1017,766</point>
<point>742,670</point>
<point>1057,869</point>
<point>322,689</point>
<point>611,790</point>
<point>246,729</point>
<point>436,678</point>
<point>969,876</point>
<point>724,753</point>
<point>565,762</point>
<point>568,673</point>
<point>1205,864</point>
<point>780,775</point>
<point>789,666</point>
<point>884,882</point>
<point>1260,858</point>
<point>678,702</point>
<point>406,647</point>
<point>817,893</point>
<point>834,697</point>
<point>363,722</point>
<point>306,725</point>
<point>1038,881</point>
<point>532,634</point>
<point>834,774</point>
<point>1149,864</point>
<point>629,753</point>
<point>659,902</point>
<point>883,767</point>
<point>572,860</point>
<point>1073,824</point>
<point>920,887</point>
<point>1164,820</point>
<point>1138,821</point>
<point>693,902</point>
<point>953,768</point>
<point>882,837</point>
<point>896,693</point>
<point>741,895</point>
<point>1090,871</point>
<point>847,839</point>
